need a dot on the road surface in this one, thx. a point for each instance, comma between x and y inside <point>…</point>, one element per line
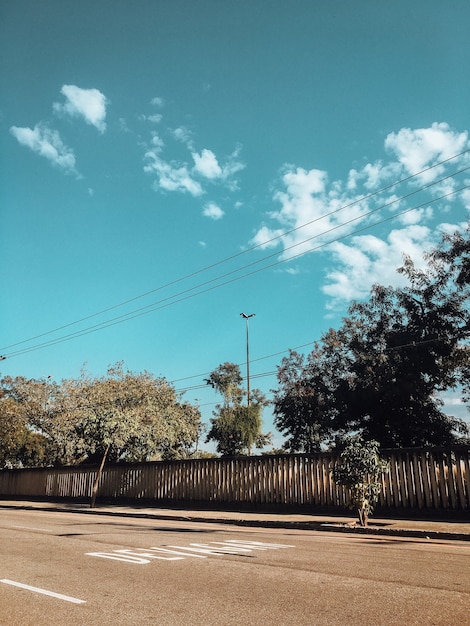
<point>73,569</point>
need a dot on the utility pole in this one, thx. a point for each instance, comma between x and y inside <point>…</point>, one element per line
<point>246,318</point>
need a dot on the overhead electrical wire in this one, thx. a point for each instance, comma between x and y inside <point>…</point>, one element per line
<point>252,248</point>
<point>413,344</point>
<point>259,375</point>
<point>261,358</point>
<point>179,297</point>
<point>183,295</point>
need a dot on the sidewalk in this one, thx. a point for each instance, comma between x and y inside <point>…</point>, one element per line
<point>429,529</point>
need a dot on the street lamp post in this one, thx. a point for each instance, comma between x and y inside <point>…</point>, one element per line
<point>246,318</point>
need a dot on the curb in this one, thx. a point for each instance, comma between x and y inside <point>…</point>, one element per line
<point>286,525</point>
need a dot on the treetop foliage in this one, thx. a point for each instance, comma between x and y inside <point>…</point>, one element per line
<point>236,427</point>
<point>380,374</point>
<point>133,417</point>
<point>359,468</point>
<point>226,379</point>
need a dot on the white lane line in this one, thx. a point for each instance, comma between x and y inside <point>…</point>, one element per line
<point>43,591</point>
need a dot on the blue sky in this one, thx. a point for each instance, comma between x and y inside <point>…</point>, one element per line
<point>173,156</point>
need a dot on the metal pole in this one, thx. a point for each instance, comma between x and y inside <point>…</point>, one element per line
<point>247,317</point>
<point>247,364</point>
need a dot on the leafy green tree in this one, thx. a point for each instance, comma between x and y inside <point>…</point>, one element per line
<point>227,380</point>
<point>451,263</point>
<point>12,431</point>
<point>359,469</point>
<point>138,416</point>
<point>305,410</point>
<point>120,416</point>
<point>23,404</point>
<point>34,450</point>
<point>382,372</point>
<point>236,427</point>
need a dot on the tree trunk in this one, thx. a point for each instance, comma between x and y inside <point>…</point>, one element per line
<point>98,477</point>
<point>363,516</point>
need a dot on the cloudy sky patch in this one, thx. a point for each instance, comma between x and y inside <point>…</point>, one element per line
<point>213,211</point>
<point>47,143</point>
<point>287,169</point>
<point>88,104</point>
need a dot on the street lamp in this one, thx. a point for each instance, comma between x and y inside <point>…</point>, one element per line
<point>246,318</point>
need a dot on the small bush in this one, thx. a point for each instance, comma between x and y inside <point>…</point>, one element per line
<point>359,469</point>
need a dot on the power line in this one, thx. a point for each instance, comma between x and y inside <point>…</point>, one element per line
<point>413,344</point>
<point>185,295</point>
<point>261,358</point>
<point>259,375</point>
<point>225,260</point>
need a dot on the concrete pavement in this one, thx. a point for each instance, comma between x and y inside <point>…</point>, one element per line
<point>430,529</point>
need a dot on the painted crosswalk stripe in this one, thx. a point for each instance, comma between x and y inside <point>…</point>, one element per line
<point>45,592</point>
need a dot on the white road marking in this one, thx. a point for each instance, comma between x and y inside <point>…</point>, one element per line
<point>45,592</point>
<point>143,556</point>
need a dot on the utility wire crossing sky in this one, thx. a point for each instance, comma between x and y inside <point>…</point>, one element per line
<point>168,165</point>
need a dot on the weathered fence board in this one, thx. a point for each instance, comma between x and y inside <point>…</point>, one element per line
<point>418,479</point>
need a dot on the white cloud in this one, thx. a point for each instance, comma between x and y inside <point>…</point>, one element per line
<point>184,136</point>
<point>416,216</point>
<point>155,119</point>
<point>158,102</point>
<point>420,148</point>
<point>367,260</point>
<point>157,142</point>
<point>47,143</point>
<point>232,167</point>
<point>313,212</point>
<point>466,197</point>
<point>171,176</point>
<point>293,271</point>
<point>206,164</point>
<point>204,168</point>
<point>309,213</point>
<point>213,211</point>
<point>266,238</point>
<point>89,104</point>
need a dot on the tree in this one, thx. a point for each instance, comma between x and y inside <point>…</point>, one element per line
<point>122,416</point>
<point>12,431</point>
<point>226,380</point>
<point>403,354</point>
<point>236,427</point>
<point>23,403</point>
<point>451,262</point>
<point>302,401</point>
<point>382,372</point>
<point>359,469</point>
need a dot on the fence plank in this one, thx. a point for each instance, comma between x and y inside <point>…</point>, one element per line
<point>441,471</point>
<point>460,480</point>
<point>450,478</point>
<point>418,480</point>
<point>395,481</point>
<point>434,478</point>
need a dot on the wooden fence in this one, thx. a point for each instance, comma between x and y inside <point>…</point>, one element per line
<point>437,479</point>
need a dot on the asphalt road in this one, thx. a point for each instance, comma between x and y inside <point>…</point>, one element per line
<point>121,571</point>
